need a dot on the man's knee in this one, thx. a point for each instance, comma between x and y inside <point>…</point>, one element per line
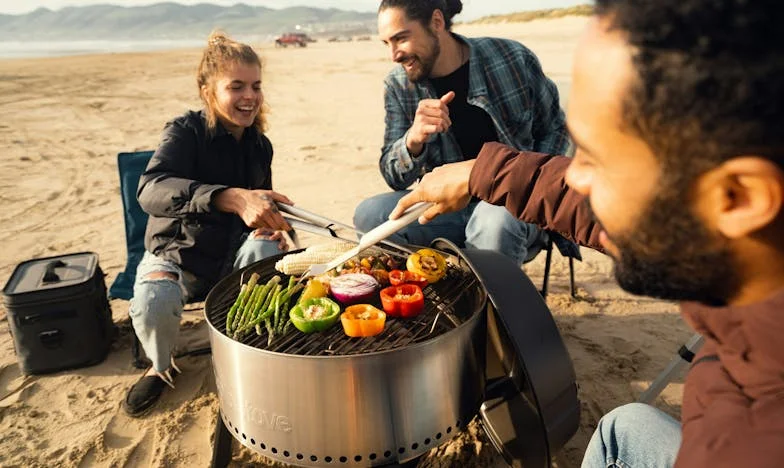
<point>494,217</point>
<point>630,418</point>
<point>374,210</point>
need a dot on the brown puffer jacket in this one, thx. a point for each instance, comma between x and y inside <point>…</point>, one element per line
<point>531,186</point>
<point>733,403</point>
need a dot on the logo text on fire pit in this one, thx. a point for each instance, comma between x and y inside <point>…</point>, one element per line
<point>266,419</point>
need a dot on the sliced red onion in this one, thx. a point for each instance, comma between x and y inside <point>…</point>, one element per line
<point>353,288</point>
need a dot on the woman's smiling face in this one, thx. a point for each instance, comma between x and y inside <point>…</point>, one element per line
<point>238,97</point>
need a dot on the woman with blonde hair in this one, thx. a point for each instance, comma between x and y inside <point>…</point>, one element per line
<point>208,193</point>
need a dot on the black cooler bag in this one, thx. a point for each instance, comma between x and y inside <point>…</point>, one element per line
<point>58,313</point>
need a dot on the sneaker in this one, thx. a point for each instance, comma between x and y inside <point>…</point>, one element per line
<point>144,394</point>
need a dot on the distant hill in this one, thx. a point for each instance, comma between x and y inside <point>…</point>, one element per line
<point>175,21</point>
<point>580,10</point>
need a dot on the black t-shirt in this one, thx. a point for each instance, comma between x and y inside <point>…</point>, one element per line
<point>471,126</point>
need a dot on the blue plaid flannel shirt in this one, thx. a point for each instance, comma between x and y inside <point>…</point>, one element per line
<point>506,81</point>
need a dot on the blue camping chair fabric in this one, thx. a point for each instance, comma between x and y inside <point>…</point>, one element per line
<point>131,167</point>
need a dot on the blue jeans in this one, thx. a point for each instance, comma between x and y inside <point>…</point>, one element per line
<point>634,436</point>
<point>480,225</point>
<point>156,306</point>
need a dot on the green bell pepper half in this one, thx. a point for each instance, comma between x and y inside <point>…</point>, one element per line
<point>304,323</point>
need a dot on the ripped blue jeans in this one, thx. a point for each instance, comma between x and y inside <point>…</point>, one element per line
<point>634,436</point>
<point>157,304</point>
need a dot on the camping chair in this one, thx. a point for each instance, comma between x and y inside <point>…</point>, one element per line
<point>567,249</point>
<point>131,167</point>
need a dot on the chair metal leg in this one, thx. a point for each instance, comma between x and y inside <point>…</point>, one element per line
<point>221,446</point>
<point>572,288</point>
<point>547,261</point>
<point>682,359</point>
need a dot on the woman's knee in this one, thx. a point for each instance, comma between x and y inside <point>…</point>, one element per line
<point>254,250</point>
<point>157,296</point>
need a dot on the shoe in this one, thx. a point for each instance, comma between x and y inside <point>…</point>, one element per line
<point>146,392</point>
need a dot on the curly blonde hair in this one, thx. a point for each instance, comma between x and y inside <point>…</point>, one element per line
<point>222,52</point>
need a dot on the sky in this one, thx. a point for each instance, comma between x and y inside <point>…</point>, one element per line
<point>472,9</point>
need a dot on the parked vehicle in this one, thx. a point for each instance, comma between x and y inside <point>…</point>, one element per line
<point>293,39</point>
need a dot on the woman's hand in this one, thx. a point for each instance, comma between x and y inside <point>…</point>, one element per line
<point>257,208</point>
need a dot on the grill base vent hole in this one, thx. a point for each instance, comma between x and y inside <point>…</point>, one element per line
<point>328,459</point>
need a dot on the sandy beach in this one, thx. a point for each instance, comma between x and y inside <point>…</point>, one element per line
<point>65,119</point>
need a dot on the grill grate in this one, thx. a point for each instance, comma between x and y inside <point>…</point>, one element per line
<point>447,305</point>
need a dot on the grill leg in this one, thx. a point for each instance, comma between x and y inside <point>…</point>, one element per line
<point>409,464</point>
<point>221,447</point>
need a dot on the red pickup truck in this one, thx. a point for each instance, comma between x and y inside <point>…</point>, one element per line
<point>295,39</point>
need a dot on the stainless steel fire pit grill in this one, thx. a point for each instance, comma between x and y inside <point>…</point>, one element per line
<point>487,345</point>
<point>328,399</point>
<point>443,312</point>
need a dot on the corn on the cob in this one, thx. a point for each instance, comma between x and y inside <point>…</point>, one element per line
<point>298,263</point>
<point>337,247</point>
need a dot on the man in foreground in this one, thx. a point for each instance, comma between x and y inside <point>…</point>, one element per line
<point>676,114</point>
<point>447,97</point>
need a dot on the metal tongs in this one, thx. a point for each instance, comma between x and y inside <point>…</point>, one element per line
<point>324,226</point>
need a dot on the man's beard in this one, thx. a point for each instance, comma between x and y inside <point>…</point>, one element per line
<point>671,255</point>
<point>426,62</point>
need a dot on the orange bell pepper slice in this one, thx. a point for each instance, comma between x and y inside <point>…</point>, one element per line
<point>362,320</point>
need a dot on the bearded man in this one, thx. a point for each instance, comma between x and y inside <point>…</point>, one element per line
<point>676,112</point>
<point>448,96</point>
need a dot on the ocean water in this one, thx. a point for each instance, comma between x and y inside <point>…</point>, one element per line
<point>28,49</point>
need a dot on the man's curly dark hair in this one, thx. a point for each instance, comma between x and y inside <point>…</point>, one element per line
<point>422,10</point>
<point>710,78</point>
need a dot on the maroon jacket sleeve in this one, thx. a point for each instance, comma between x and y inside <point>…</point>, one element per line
<point>532,187</point>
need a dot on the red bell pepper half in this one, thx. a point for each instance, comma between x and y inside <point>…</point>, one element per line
<point>398,277</point>
<point>405,300</point>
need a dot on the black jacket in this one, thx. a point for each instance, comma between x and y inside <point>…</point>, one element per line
<point>187,171</point>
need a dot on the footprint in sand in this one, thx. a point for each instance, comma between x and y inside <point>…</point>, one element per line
<point>307,148</point>
<point>14,386</point>
<point>122,432</point>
